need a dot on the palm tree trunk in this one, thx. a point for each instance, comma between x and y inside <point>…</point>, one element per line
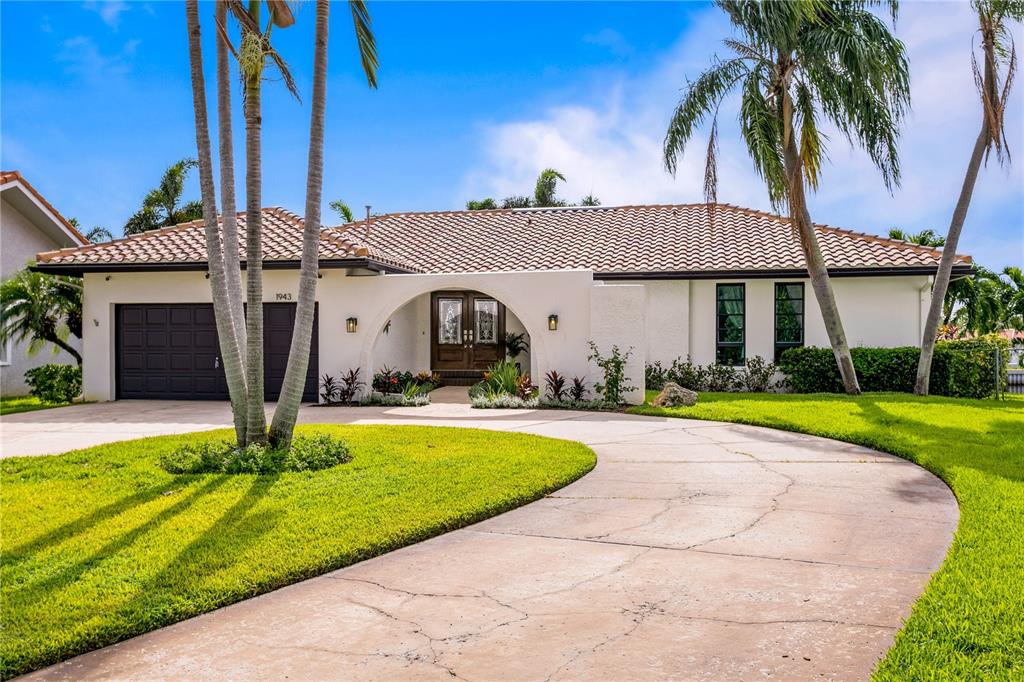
<point>66,347</point>
<point>956,224</point>
<point>232,357</point>
<point>225,137</point>
<point>256,422</point>
<point>283,425</point>
<point>816,269</point>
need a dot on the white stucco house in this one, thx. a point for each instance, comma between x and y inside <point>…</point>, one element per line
<point>28,225</point>
<point>438,290</point>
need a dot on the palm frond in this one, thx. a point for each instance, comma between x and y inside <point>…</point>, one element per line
<point>702,97</point>
<point>811,148</point>
<point>362,23</point>
<point>761,129</point>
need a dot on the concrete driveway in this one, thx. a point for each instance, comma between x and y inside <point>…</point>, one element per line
<point>695,550</point>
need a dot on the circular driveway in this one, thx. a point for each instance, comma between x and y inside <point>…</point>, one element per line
<point>694,550</point>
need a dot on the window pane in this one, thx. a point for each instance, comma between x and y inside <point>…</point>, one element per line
<point>789,291</point>
<point>449,323</point>
<point>486,326</point>
<point>789,316</point>
<point>730,291</point>
<point>730,307</point>
<point>729,355</point>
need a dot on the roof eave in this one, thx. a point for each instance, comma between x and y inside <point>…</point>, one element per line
<point>79,269</point>
<point>960,269</point>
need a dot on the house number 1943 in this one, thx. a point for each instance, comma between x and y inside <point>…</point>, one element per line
<point>283,297</point>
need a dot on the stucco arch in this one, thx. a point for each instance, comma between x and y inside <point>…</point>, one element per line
<point>400,290</point>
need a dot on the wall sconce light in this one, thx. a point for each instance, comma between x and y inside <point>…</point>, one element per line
<point>95,322</point>
<point>351,324</point>
<point>553,323</point>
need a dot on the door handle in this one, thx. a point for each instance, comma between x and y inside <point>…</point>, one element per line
<point>216,362</point>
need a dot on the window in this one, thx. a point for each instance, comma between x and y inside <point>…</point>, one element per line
<point>449,328</point>
<point>789,317</point>
<point>486,310</point>
<point>731,307</point>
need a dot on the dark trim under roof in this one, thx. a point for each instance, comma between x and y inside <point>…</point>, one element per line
<point>959,269</point>
<point>78,269</point>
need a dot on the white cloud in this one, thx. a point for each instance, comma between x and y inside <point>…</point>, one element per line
<point>611,39</point>
<point>110,11</point>
<point>610,143</point>
<point>82,57</point>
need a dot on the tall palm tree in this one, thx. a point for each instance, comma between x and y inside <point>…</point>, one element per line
<point>162,206</point>
<point>544,192</point>
<point>283,424</point>
<point>1013,298</point>
<point>41,309</point>
<point>796,63</point>
<point>998,53</point>
<point>230,351</point>
<point>225,140</point>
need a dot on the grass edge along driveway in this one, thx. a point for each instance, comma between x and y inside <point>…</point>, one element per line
<point>99,545</point>
<point>969,622</point>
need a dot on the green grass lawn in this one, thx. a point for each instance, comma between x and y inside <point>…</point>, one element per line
<point>24,403</point>
<point>969,623</point>
<point>101,544</point>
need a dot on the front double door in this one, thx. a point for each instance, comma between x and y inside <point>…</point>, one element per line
<point>468,330</point>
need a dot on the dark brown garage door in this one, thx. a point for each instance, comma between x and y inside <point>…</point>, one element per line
<point>170,352</point>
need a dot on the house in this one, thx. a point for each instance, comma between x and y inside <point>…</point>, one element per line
<point>437,291</point>
<point>28,225</point>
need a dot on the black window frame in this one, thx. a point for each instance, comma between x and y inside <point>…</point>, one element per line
<point>782,346</point>
<point>728,346</point>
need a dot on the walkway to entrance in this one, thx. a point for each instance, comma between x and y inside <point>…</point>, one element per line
<point>693,550</point>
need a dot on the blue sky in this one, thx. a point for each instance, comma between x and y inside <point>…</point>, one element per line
<point>474,100</point>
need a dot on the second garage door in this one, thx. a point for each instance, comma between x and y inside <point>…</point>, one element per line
<point>170,351</point>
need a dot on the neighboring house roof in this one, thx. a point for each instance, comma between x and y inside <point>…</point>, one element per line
<point>184,247</point>
<point>625,241</point>
<point>29,201</point>
<point>684,240</point>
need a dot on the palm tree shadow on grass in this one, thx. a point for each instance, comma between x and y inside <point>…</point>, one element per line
<point>84,523</point>
<point>988,460</point>
<point>170,595</point>
<point>61,578</point>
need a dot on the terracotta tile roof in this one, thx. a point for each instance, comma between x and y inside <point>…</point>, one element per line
<point>186,244</point>
<point>608,240</point>
<point>16,176</point>
<point>626,239</point>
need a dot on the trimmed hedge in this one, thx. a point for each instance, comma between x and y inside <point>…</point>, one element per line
<point>960,369</point>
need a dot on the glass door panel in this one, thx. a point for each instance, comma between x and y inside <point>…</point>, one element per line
<point>485,327</point>
<point>449,327</point>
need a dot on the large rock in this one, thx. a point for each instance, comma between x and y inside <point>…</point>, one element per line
<point>674,395</point>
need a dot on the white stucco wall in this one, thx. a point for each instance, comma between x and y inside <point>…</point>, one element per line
<point>617,314</point>
<point>876,311</point>
<point>373,300</point>
<point>20,241</point>
<point>661,320</point>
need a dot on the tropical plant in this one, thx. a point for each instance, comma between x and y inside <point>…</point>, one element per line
<point>253,54</point>
<point>922,238</point>
<point>481,204</point>
<point>329,389</point>
<point>794,64</point>
<point>349,386</point>
<point>578,389</point>
<point>55,383</point>
<point>41,309</point>
<point>615,385</point>
<point>544,196</point>
<point>342,209</point>
<point>162,207</point>
<point>993,79</point>
<point>555,384</point>
<point>544,192</point>
<point>515,344</point>
<point>516,201</point>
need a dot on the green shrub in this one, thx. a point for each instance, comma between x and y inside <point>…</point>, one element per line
<point>615,384</point>
<point>760,375</point>
<point>961,369</point>
<point>55,383</point>
<point>307,453</point>
<point>655,376</point>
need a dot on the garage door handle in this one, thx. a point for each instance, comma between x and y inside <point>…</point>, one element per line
<point>216,362</point>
